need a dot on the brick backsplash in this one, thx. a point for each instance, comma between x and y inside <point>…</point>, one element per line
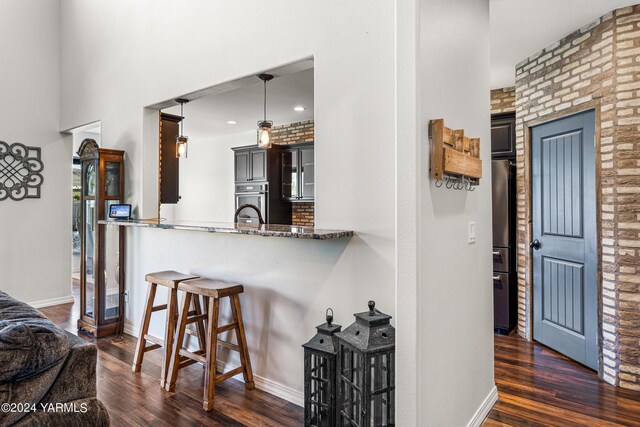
<point>293,133</point>
<point>597,67</point>
<point>503,100</point>
<point>302,213</point>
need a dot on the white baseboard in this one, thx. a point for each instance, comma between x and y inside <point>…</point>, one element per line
<point>272,387</point>
<point>53,301</point>
<point>484,409</point>
<point>130,329</point>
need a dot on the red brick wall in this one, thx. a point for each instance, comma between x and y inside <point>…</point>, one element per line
<point>293,133</point>
<point>595,67</point>
<point>303,213</point>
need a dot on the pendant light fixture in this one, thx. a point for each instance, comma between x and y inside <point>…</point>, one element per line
<point>264,126</point>
<point>181,139</point>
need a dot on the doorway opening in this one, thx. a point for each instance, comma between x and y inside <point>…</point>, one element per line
<point>225,175</point>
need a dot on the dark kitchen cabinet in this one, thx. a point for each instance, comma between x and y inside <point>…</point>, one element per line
<point>242,166</point>
<point>169,164</point>
<point>258,160</point>
<point>298,173</point>
<point>250,164</point>
<point>503,136</point>
<point>263,171</point>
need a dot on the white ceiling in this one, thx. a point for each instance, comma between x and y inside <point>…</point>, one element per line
<point>206,116</point>
<point>520,28</point>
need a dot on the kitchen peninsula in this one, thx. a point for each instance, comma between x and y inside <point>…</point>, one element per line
<point>284,279</point>
<point>266,230</point>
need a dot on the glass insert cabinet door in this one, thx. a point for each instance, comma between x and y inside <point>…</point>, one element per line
<point>89,259</point>
<point>111,295</point>
<point>102,246</point>
<point>298,172</point>
<point>290,174</point>
<point>307,173</point>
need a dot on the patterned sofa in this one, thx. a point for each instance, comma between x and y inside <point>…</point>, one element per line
<point>47,375</point>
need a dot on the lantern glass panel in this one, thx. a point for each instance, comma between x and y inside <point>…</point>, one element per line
<point>381,403</point>
<point>352,367</point>
<point>319,390</point>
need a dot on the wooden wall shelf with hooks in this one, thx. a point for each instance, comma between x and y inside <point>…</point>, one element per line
<point>453,153</point>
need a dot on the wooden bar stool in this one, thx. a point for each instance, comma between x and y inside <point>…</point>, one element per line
<point>169,279</point>
<point>212,291</point>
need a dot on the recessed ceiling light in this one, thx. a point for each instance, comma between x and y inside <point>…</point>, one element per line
<point>232,122</point>
<point>299,108</point>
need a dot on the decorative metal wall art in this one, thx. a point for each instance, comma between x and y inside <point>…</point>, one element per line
<point>20,171</point>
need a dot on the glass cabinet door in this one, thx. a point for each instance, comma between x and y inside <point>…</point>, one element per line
<point>307,171</point>
<point>112,179</point>
<point>90,180</point>
<point>111,302</point>
<point>90,260</point>
<point>290,174</point>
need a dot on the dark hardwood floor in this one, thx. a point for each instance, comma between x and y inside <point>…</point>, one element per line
<point>536,386</point>
<point>137,399</point>
<point>539,387</point>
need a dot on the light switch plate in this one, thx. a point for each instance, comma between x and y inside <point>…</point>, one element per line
<point>472,232</point>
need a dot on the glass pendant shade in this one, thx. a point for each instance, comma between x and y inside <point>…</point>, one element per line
<point>181,139</point>
<point>264,133</point>
<point>264,126</point>
<point>181,146</point>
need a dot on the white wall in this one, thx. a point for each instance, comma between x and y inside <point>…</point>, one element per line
<point>371,89</point>
<point>206,179</point>
<point>35,234</point>
<point>114,63</point>
<point>444,288</point>
<point>455,293</point>
<point>78,137</point>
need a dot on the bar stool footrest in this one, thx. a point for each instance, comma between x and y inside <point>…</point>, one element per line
<point>229,374</point>
<point>154,340</point>
<point>229,327</point>
<point>197,318</point>
<point>229,345</point>
<point>152,347</point>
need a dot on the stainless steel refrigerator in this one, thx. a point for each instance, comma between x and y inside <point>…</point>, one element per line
<point>505,302</point>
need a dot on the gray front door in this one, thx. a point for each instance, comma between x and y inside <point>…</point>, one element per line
<point>565,295</point>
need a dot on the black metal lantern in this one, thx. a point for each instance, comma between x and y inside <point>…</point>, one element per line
<point>366,371</point>
<point>320,375</point>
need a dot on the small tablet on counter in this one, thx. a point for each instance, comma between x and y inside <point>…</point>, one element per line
<point>120,212</point>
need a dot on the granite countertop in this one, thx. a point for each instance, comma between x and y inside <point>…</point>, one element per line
<point>268,230</point>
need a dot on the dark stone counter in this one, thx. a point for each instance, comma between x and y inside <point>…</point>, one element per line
<point>267,230</point>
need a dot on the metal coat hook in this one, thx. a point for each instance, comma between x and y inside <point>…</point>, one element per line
<point>457,183</point>
<point>449,183</point>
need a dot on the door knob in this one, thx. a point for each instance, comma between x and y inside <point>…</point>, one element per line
<point>535,244</point>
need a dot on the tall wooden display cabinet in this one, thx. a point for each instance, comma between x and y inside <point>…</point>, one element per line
<point>102,246</point>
